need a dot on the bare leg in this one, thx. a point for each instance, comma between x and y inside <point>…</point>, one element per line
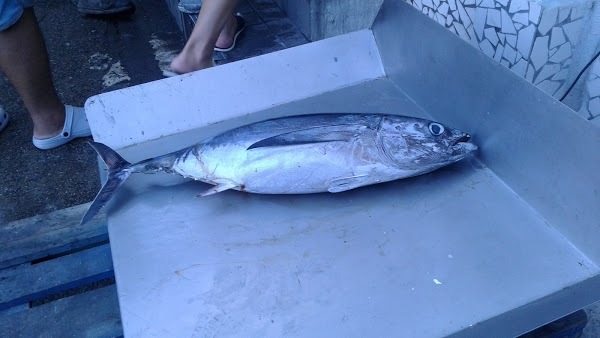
<point>215,25</point>
<point>24,59</point>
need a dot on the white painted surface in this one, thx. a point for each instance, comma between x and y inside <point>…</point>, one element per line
<point>173,105</point>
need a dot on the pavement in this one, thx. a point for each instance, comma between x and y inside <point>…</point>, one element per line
<point>91,55</point>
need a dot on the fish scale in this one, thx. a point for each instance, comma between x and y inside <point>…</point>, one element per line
<point>302,154</point>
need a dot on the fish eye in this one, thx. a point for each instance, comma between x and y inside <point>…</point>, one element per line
<point>436,129</point>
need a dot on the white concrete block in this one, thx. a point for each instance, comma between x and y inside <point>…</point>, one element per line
<point>187,102</point>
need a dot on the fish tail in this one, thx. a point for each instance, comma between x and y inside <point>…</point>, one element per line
<point>117,174</point>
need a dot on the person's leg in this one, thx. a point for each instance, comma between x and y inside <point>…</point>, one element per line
<point>216,26</point>
<point>24,60</point>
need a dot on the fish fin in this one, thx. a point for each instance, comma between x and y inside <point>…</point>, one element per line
<point>348,183</point>
<point>319,134</point>
<point>220,187</point>
<point>116,176</point>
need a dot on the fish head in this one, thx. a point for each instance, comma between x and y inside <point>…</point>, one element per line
<point>417,144</point>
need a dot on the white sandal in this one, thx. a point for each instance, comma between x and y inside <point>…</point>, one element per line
<point>76,125</point>
<point>3,118</point>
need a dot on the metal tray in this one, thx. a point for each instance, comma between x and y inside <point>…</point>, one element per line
<point>493,246</point>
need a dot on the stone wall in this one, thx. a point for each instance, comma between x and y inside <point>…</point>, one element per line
<point>547,43</point>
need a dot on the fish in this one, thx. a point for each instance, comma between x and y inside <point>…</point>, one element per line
<point>301,154</point>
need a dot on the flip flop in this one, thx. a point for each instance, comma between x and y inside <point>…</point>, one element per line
<point>3,118</point>
<point>76,125</point>
<point>240,26</point>
<point>171,73</point>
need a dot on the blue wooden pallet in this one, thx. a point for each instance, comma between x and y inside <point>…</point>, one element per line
<point>50,272</point>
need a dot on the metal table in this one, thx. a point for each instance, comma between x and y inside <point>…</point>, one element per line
<point>492,246</point>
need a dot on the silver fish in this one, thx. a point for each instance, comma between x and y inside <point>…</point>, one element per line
<point>302,154</point>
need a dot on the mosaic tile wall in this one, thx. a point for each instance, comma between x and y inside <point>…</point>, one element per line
<point>535,42</point>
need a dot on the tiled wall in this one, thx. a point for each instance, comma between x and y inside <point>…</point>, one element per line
<point>536,41</point>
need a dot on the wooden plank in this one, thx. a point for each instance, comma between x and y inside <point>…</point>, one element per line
<point>54,276</point>
<point>91,314</point>
<point>54,233</point>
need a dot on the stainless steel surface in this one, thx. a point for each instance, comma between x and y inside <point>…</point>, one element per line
<point>487,247</point>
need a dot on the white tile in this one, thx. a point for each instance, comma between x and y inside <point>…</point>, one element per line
<point>452,4</point>
<point>499,51</point>
<point>443,9</point>
<point>548,20</point>
<point>473,36</point>
<point>563,13</point>
<point>479,21</point>
<point>509,54</point>
<point>501,37</point>
<point>594,106</point>
<point>431,13</point>
<point>494,18</point>
<point>525,40</point>
<point>530,73</point>
<point>487,48</point>
<point>578,12</point>
<point>507,23</point>
<point>436,3</point>
<point>520,56</point>
<point>539,53</point>
<point>418,4</point>
<point>449,20</point>
<point>558,37</point>
<point>552,51</point>
<point>547,71</point>
<point>490,34</point>
<point>522,18</point>
<point>593,87</point>
<point>563,74</point>
<point>596,121</point>
<point>487,4</point>
<point>428,3</point>
<point>511,40</point>
<point>518,5</point>
<point>520,68</point>
<point>535,10</point>
<point>461,31</point>
<point>425,10</point>
<point>596,67</point>
<point>502,2</point>
<point>563,53</point>
<point>463,15</point>
<point>518,26</point>
<point>573,30</point>
<point>505,63</point>
<point>469,2</point>
<point>549,87</point>
<point>452,29</point>
<point>471,13</point>
<point>440,19</point>
<point>567,63</point>
<point>456,15</point>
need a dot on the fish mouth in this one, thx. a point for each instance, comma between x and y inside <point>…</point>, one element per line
<point>461,145</point>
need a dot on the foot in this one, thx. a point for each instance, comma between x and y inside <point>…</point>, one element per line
<point>188,61</point>
<point>227,39</point>
<point>75,125</point>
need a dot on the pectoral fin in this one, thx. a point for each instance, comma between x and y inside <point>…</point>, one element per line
<point>219,188</point>
<point>336,133</point>
<point>348,183</point>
